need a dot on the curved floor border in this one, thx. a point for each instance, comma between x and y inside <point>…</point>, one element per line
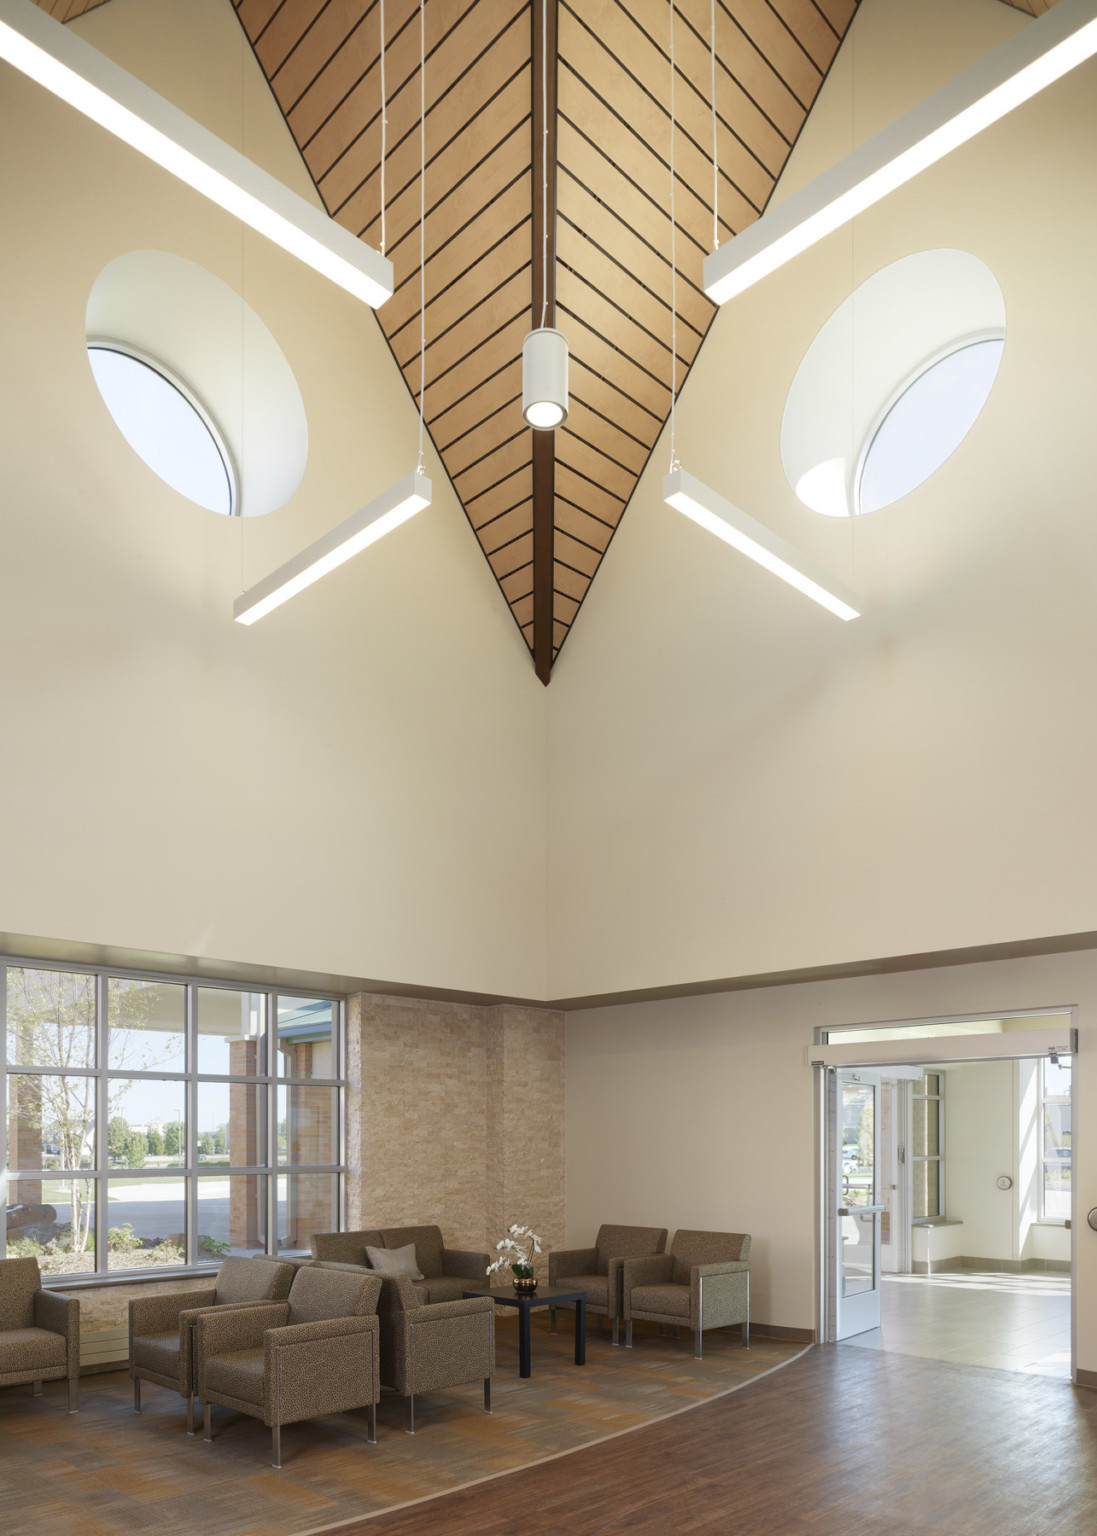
<point>575,1450</point>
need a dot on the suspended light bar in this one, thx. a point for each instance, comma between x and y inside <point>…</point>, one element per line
<point>545,378</point>
<point>363,528</point>
<point>86,79</point>
<point>1035,57</point>
<point>736,528</point>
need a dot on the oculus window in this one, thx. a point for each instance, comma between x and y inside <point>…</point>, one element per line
<point>893,382</point>
<point>165,424</point>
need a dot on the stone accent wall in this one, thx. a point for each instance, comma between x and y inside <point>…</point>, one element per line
<point>455,1115</point>
<point>107,1306</point>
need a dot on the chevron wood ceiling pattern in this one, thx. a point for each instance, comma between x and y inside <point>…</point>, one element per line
<point>612,229</point>
<point>68,10</point>
<point>544,513</point>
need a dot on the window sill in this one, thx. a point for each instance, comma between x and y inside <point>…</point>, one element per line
<point>125,1277</point>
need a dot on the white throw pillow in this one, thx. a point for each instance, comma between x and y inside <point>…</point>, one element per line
<point>394,1261</point>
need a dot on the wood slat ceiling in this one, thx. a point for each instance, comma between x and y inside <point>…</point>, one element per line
<point>611,131</point>
<point>612,225</point>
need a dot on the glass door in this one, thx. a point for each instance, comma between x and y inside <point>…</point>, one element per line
<point>854,1204</point>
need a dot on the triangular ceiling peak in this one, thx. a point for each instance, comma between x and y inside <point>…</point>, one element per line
<point>544,506</point>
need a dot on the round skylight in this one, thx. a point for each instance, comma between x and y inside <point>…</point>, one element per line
<point>165,424</point>
<point>893,383</point>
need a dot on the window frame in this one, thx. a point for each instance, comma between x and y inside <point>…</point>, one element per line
<point>937,1157</point>
<point>190,1170</point>
<point>197,404</point>
<point>1043,1098</point>
<point>960,344</point>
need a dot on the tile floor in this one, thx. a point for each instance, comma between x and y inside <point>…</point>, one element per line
<point>1008,1322</point>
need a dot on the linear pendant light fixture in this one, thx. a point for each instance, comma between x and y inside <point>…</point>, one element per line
<point>407,496</point>
<point>750,538</point>
<point>86,79</point>
<point>1035,57</point>
<point>334,548</point>
<point>545,350</point>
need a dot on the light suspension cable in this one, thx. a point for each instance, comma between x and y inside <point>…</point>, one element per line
<point>545,349</point>
<point>422,224</point>
<point>384,126</point>
<point>544,165</point>
<point>673,265</point>
<point>716,188</point>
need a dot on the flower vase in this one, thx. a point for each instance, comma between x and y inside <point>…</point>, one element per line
<point>525,1285</point>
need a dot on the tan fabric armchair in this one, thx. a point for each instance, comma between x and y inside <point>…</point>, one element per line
<point>446,1271</point>
<point>39,1332</point>
<point>315,1353</point>
<point>162,1328</point>
<point>597,1270</point>
<point>426,1347</point>
<point>703,1282</point>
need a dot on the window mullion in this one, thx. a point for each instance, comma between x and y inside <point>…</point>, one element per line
<point>190,1177</point>
<point>4,1101</point>
<point>102,1116</point>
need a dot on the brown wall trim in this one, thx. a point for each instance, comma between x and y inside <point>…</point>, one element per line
<point>1086,1378</point>
<point>76,952</point>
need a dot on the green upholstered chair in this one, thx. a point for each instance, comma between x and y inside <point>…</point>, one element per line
<point>313,1354</point>
<point>39,1331</point>
<point>597,1270</point>
<point>428,1346</point>
<point>161,1328</point>
<point>703,1281</point>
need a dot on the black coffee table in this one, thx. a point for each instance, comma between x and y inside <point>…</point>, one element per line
<point>544,1296</point>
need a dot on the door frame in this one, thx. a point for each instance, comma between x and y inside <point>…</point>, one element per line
<point>874,1059</point>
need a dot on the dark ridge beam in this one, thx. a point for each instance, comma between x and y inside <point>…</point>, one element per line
<point>544,444</point>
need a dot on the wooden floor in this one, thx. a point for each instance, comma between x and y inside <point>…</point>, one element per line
<point>841,1442</point>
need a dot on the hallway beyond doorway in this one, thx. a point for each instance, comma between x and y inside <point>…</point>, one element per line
<point>1011,1322</point>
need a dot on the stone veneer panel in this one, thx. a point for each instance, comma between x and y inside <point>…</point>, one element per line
<point>455,1115</point>
<point>107,1306</point>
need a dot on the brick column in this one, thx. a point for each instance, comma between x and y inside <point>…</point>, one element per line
<point>245,1148</point>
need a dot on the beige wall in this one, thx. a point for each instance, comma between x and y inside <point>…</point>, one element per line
<point>739,783</point>
<point>700,1112</point>
<point>354,785</point>
<point>455,1115</point>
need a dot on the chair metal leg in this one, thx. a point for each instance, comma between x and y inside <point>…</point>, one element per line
<point>628,1334</point>
<point>677,1331</point>
<point>74,1394</point>
<point>36,1388</point>
<point>276,1447</point>
<point>190,1414</point>
<point>616,1332</point>
<point>487,1394</point>
<point>208,1425</point>
<point>746,1320</point>
<point>137,1394</point>
<point>698,1346</point>
<point>409,1426</point>
<point>552,1319</point>
<point>371,1424</point>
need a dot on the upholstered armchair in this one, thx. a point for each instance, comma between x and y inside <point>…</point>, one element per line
<point>427,1346</point>
<point>446,1271</point>
<point>597,1270</point>
<point>313,1354</point>
<point>702,1282</point>
<point>162,1328</point>
<point>39,1332</point>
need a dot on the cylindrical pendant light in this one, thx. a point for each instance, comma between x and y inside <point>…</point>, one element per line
<point>545,350</point>
<point>545,378</point>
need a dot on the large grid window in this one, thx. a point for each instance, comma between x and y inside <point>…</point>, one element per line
<point>163,1124</point>
<point>1055,1140</point>
<point>927,1110</point>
